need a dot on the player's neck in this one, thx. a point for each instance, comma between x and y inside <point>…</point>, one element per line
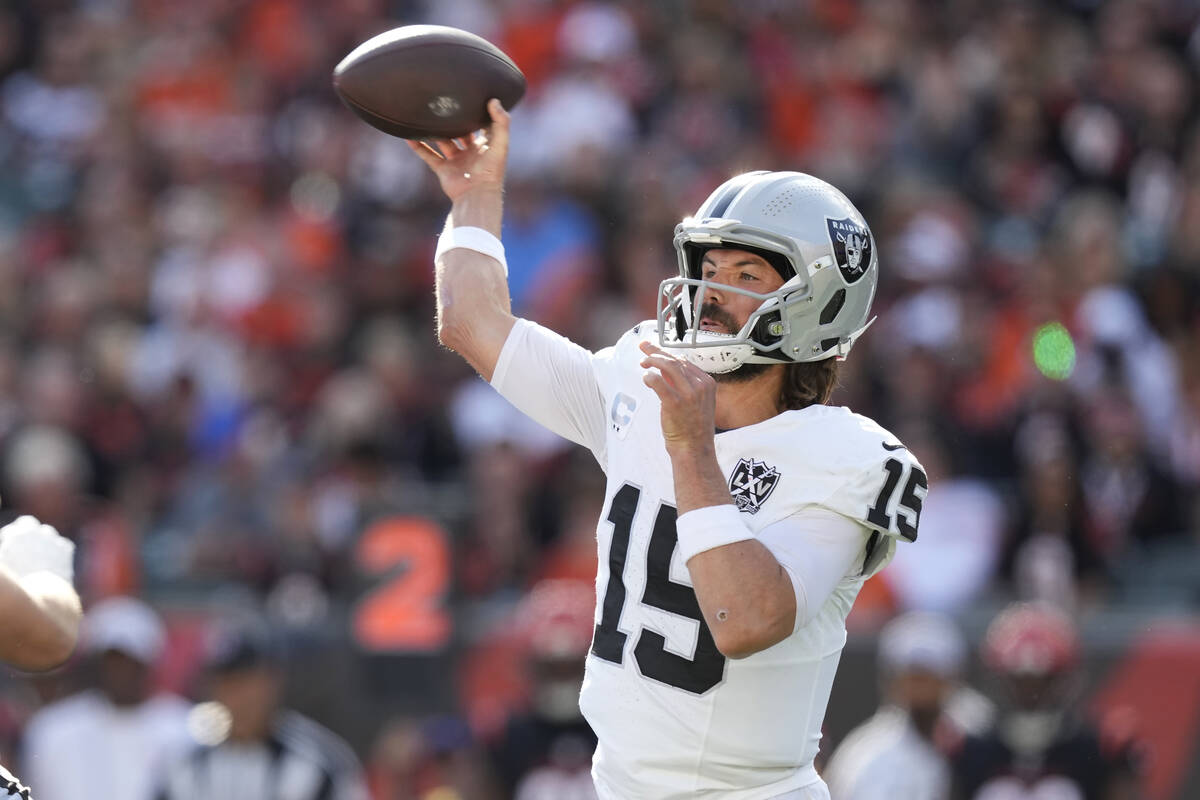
<point>749,402</point>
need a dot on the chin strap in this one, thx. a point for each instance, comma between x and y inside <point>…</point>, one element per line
<point>716,360</point>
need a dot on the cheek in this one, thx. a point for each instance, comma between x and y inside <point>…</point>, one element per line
<point>741,308</point>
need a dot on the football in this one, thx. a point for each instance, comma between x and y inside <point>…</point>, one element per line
<point>427,81</point>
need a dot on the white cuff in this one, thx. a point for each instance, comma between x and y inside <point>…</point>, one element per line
<point>469,238</point>
<point>709,527</point>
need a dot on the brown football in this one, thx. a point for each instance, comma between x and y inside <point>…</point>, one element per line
<point>427,81</point>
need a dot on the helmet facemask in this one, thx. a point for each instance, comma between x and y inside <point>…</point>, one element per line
<point>759,341</point>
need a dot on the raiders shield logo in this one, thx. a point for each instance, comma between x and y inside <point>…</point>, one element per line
<point>851,247</point>
<point>751,484</point>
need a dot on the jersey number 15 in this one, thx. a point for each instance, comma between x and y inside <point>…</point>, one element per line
<point>706,668</point>
<point>908,510</point>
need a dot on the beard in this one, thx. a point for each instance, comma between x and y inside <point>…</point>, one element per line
<point>746,372</point>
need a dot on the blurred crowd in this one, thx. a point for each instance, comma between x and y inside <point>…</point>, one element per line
<point>219,373</point>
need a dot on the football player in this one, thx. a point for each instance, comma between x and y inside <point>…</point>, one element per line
<point>742,513</point>
<point>1040,745</point>
<point>896,752</point>
<point>39,608</point>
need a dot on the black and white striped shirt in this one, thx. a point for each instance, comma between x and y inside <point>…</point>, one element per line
<point>10,787</point>
<point>299,760</point>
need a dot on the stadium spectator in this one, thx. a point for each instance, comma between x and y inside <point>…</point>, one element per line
<point>545,751</point>
<point>121,734</point>
<point>419,758</point>
<point>251,747</point>
<point>898,752</point>
<point>1040,741</point>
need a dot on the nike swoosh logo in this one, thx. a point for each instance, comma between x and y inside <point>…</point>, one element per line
<point>887,446</point>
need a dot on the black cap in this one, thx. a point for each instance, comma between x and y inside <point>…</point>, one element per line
<point>237,647</point>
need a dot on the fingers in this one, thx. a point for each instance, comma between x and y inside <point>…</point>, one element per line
<point>498,135</point>
<point>684,370</point>
<point>448,148</point>
<point>665,391</point>
<point>663,373</point>
<point>426,153</point>
<point>671,370</point>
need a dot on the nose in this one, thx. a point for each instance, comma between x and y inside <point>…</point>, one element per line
<point>712,291</point>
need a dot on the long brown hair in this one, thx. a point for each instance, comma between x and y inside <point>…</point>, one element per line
<point>808,383</point>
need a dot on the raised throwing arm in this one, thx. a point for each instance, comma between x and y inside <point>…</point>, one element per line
<point>474,312</point>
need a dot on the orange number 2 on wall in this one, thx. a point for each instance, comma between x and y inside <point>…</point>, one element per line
<point>406,613</point>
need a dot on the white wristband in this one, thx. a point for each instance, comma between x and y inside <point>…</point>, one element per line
<point>709,527</point>
<point>468,238</point>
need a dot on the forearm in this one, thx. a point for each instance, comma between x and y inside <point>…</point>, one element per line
<point>40,620</point>
<point>744,593</point>
<point>474,310</point>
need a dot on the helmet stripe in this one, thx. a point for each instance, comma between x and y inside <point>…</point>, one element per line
<point>728,191</point>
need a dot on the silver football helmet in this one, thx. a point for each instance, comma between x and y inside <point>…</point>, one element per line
<point>812,234</point>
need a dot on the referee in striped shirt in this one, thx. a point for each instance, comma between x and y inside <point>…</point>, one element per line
<point>252,748</point>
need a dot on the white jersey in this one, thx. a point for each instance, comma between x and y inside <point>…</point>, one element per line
<point>675,718</point>
<point>885,758</point>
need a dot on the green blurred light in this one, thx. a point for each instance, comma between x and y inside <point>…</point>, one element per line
<point>1053,351</point>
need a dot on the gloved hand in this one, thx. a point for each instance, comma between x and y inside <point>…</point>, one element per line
<point>27,546</point>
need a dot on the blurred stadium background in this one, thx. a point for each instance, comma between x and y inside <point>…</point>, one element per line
<point>219,374</point>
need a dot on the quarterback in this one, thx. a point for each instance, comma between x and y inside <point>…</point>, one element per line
<point>742,514</point>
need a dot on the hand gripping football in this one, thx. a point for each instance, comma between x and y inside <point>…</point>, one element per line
<point>427,81</point>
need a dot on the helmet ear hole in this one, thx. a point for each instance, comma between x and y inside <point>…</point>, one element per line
<point>763,333</point>
<point>830,311</point>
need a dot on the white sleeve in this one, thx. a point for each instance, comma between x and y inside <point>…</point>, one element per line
<point>818,548</point>
<point>551,380</point>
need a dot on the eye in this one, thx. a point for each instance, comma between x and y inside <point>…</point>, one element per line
<point>747,276</point>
